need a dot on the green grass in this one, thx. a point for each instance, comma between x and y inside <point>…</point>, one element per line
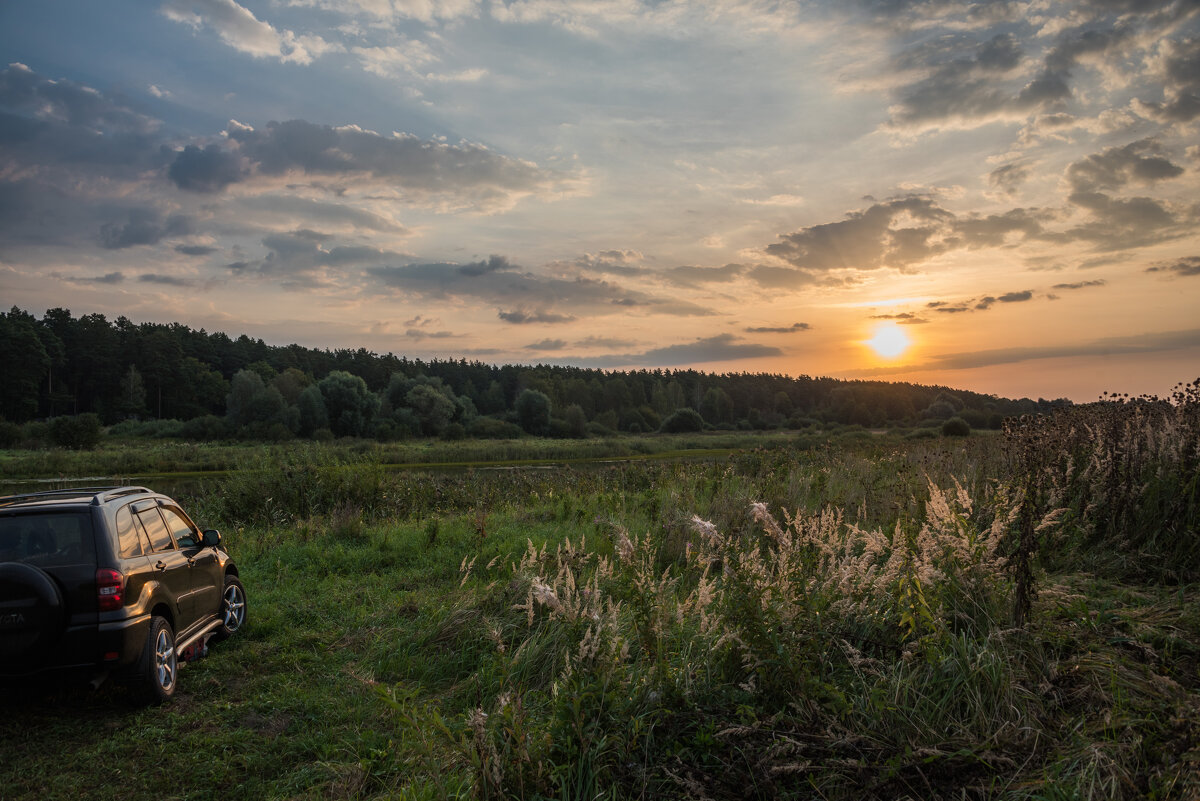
<point>370,654</point>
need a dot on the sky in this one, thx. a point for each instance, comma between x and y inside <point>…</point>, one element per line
<point>996,196</point>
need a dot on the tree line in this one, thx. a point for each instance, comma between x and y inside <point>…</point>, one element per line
<point>212,386</point>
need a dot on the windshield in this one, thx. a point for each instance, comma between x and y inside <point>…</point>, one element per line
<point>47,538</point>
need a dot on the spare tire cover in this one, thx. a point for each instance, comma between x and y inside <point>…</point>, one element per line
<point>31,614</point>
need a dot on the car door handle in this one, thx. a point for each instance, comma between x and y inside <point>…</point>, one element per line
<point>191,562</point>
<point>160,565</point>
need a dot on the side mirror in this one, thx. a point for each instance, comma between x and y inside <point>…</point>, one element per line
<point>211,538</point>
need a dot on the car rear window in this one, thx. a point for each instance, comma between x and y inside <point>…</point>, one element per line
<point>47,538</point>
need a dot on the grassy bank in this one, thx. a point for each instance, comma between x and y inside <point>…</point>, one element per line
<point>832,621</point>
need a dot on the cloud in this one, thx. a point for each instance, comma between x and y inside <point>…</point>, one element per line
<point>903,318</point>
<point>1109,346</point>
<point>1178,64</point>
<point>547,345</point>
<point>719,348</point>
<point>145,227</point>
<point>896,233</point>
<point>1008,297</point>
<point>521,317</point>
<point>790,329</point>
<point>195,250</point>
<point>240,29</point>
<point>206,170</point>
<point>609,262</point>
<point>75,105</point>
<point>690,276</point>
<point>168,280</point>
<point>535,298</point>
<point>468,173</point>
<point>1114,167</point>
<point>1187,266</point>
<point>1080,284</point>
<point>1009,178</point>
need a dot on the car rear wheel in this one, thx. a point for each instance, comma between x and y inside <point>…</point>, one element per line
<point>158,665</point>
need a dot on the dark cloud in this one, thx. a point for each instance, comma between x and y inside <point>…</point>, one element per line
<point>195,250</point>
<point>303,252</point>
<point>1009,177</point>
<point>145,227</point>
<point>946,307</point>
<point>1158,342</point>
<point>772,277</point>
<point>520,317</point>
<point>903,318</point>
<point>720,348</point>
<point>993,230</point>
<point>687,275</point>
<point>604,342</point>
<point>288,207</point>
<point>206,170</point>
<point>1181,82</point>
<point>790,329</point>
<point>547,345</point>
<point>402,159</point>
<point>1008,297</point>
<point>506,285</point>
<point>1081,284</point>
<point>24,91</point>
<point>896,233</point>
<point>963,80</point>
<point>611,262</point>
<point>168,280</point>
<point>1114,167</point>
<point>1187,266</point>
<point>108,278</point>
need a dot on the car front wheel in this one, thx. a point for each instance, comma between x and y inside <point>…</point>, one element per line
<point>233,608</point>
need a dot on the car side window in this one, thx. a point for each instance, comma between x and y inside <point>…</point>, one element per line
<point>127,534</point>
<point>185,535</point>
<point>160,536</point>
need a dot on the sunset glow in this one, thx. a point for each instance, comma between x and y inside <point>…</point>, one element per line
<point>391,176</point>
<point>889,341</point>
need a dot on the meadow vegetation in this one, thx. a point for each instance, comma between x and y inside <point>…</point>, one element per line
<point>1007,616</point>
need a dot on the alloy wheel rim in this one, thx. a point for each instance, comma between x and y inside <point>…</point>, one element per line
<point>164,660</point>
<point>235,608</point>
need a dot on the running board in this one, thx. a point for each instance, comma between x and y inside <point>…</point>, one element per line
<point>204,632</point>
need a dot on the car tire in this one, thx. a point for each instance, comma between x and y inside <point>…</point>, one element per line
<point>233,609</point>
<point>158,666</point>
<point>32,616</point>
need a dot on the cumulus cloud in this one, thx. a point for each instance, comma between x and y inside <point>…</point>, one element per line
<point>1178,63</point>
<point>195,250</point>
<point>240,29</point>
<point>206,170</point>
<point>895,233</point>
<point>144,227</point>
<point>1008,178</point>
<point>1187,266</point>
<point>1141,161</point>
<point>1007,297</point>
<point>417,168</point>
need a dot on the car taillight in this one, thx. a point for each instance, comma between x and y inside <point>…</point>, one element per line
<point>110,589</point>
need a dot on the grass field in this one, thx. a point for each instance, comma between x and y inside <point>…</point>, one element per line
<point>866,617</point>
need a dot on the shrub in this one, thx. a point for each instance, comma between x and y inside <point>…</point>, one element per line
<point>682,421</point>
<point>80,432</point>
<point>956,427</point>
<point>10,434</point>
<point>491,428</point>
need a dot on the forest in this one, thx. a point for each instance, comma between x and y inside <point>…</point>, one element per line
<point>167,379</point>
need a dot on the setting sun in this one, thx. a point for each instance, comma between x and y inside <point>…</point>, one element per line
<point>889,341</point>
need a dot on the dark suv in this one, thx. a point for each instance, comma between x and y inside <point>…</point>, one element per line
<point>115,580</point>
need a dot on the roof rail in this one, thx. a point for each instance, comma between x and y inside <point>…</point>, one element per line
<point>99,494</point>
